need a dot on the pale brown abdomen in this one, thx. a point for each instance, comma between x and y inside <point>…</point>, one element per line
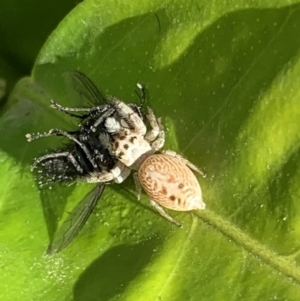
<point>170,183</point>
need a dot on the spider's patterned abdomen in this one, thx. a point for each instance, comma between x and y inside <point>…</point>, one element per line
<point>170,183</point>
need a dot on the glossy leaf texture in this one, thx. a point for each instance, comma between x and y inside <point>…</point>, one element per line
<point>225,79</point>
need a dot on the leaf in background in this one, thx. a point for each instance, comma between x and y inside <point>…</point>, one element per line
<point>225,79</point>
<point>24,27</point>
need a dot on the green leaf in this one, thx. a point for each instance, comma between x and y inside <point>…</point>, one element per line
<point>24,27</point>
<point>224,78</point>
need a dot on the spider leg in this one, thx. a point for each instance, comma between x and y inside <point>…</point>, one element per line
<point>156,206</point>
<point>124,175</point>
<point>184,161</point>
<point>142,94</point>
<point>57,132</point>
<point>115,173</point>
<point>157,134</point>
<point>130,116</point>
<point>138,186</point>
<point>163,213</point>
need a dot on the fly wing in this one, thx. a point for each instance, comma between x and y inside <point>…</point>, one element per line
<point>86,89</point>
<point>76,220</point>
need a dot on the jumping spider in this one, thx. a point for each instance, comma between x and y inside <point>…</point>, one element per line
<point>166,177</point>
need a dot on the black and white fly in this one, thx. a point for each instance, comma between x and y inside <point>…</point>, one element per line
<point>83,155</point>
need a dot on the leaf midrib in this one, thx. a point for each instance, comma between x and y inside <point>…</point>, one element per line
<point>255,248</point>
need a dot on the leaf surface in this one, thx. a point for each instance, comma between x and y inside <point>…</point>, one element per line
<point>225,80</point>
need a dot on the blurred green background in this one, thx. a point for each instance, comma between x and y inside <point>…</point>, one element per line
<point>24,28</point>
